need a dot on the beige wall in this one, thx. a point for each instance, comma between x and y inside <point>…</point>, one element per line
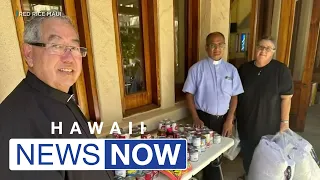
<point>214,17</point>
<point>101,21</point>
<point>239,11</point>
<point>243,9</point>
<point>11,68</point>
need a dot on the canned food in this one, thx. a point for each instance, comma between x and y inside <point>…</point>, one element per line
<point>130,178</point>
<point>181,128</point>
<point>203,141</point>
<point>196,141</point>
<point>211,132</point>
<point>135,136</point>
<point>109,136</point>
<point>148,175</point>
<point>121,173</point>
<point>136,129</point>
<point>168,126</point>
<point>217,139</point>
<point>194,156</point>
<point>205,128</point>
<point>199,150</point>
<point>155,174</point>
<point>161,133</point>
<point>183,136</point>
<point>118,178</point>
<point>174,126</point>
<point>206,134</point>
<point>124,135</point>
<point>176,134</point>
<point>161,123</point>
<point>188,156</point>
<point>131,172</point>
<point>146,135</point>
<point>189,138</point>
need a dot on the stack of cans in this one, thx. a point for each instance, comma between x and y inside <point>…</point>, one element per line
<point>135,175</point>
<point>199,139</point>
<point>135,134</point>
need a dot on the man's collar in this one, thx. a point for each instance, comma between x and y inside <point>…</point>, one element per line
<point>47,90</point>
<point>215,62</point>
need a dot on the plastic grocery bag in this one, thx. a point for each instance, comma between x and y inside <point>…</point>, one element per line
<point>269,162</point>
<point>303,144</point>
<point>300,151</point>
<point>233,152</point>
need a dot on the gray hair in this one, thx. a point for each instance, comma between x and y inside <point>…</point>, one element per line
<point>32,29</point>
<point>268,38</point>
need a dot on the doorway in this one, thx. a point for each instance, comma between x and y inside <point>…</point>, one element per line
<point>302,60</point>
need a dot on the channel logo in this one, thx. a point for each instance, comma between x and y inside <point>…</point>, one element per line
<point>97,154</point>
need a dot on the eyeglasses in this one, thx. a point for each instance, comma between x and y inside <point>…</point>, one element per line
<point>216,46</point>
<point>59,49</point>
<point>268,49</point>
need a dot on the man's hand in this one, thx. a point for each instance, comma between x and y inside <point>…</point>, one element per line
<point>227,128</point>
<point>198,123</point>
<point>284,126</point>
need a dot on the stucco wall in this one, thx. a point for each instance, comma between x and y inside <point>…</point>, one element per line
<point>11,68</point>
<point>214,16</point>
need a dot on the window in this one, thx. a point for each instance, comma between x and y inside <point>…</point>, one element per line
<point>137,59</point>
<point>186,41</point>
<point>85,88</point>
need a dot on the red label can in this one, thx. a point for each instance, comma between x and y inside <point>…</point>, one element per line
<point>155,174</point>
<point>146,135</point>
<point>174,126</point>
<point>148,175</point>
<point>140,177</point>
<point>176,134</point>
<point>170,136</point>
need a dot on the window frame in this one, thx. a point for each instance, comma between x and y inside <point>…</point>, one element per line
<point>149,99</point>
<point>85,86</point>
<point>192,21</point>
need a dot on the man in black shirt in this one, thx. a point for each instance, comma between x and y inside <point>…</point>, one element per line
<point>264,107</point>
<point>54,58</point>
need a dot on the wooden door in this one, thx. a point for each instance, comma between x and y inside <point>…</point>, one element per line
<point>302,72</point>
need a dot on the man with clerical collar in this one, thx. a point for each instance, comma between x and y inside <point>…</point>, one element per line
<point>211,88</point>
<point>54,57</point>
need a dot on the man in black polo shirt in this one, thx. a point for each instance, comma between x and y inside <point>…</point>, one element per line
<point>264,106</point>
<point>54,61</point>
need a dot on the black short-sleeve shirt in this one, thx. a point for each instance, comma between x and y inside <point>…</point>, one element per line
<point>259,107</point>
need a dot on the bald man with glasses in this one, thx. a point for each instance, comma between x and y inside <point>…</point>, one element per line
<point>54,58</point>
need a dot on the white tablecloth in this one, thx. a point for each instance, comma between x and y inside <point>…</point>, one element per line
<point>205,158</point>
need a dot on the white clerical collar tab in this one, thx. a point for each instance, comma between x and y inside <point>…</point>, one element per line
<point>217,62</point>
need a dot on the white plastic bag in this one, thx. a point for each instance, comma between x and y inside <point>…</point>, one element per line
<point>303,155</point>
<point>269,162</point>
<point>233,152</point>
<point>301,152</point>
